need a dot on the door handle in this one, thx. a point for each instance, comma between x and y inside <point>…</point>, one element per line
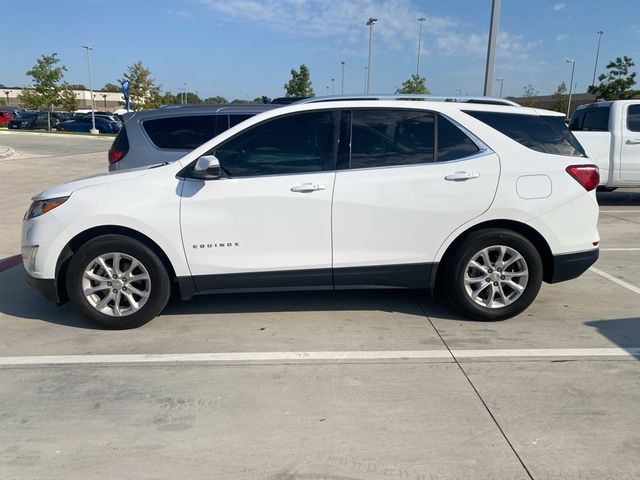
<point>461,176</point>
<point>308,187</point>
<point>635,141</point>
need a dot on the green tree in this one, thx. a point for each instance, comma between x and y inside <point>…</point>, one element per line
<point>415,84</point>
<point>143,91</point>
<point>46,75</point>
<point>217,99</point>
<point>618,83</point>
<point>111,87</point>
<point>559,102</point>
<point>300,83</point>
<point>168,99</point>
<point>528,96</point>
<point>68,100</point>
<point>76,86</point>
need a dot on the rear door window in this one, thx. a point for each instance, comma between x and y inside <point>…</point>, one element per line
<point>596,119</point>
<point>386,137</point>
<point>181,132</point>
<point>633,118</point>
<point>453,143</point>
<point>546,134</point>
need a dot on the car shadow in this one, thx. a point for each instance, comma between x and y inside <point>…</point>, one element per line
<point>18,300</point>
<point>624,332</point>
<point>619,197</point>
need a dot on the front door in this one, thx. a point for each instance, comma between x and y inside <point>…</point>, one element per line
<point>267,222</point>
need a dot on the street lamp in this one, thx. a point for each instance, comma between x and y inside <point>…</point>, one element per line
<point>343,64</point>
<point>327,90</point>
<point>420,20</point>
<point>595,67</point>
<point>370,23</point>
<point>366,69</point>
<point>573,69</point>
<point>93,106</point>
<point>333,83</point>
<point>501,80</point>
<point>491,48</point>
<point>104,96</point>
<point>185,94</point>
<point>6,92</point>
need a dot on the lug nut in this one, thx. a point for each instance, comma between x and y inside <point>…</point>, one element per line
<point>488,279</point>
<point>115,291</point>
<point>108,284</point>
<point>490,271</point>
<point>502,277</point>
<point>124,289</point>
<point>114,277</point>
<point>495,284</point>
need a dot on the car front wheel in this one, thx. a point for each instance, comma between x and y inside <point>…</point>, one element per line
<point>494,274</point>
<point>117,282</point>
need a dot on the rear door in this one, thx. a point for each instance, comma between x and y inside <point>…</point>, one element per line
<point>630,148</point>
<point>413,177</point>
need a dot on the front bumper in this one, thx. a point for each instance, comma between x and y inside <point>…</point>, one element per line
<point>572,265</point>
<point>47,287</point>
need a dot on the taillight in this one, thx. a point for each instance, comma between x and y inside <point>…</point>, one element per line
<point>115,155</point>
<point>586,175</point>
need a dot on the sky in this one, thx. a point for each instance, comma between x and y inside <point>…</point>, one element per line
<point>246,48</point>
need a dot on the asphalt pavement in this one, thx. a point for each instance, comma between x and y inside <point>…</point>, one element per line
<point>322,385</point>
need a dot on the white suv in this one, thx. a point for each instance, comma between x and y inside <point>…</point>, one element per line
<point>485,200</point>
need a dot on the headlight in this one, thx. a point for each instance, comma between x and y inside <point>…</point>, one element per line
<point>40,207</point>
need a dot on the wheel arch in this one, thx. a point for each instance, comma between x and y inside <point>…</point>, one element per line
<point>83,237</point>
<point>523,229</point>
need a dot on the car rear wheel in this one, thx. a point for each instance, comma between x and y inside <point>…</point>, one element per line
<point>495,274</point>
<point>117,282</point>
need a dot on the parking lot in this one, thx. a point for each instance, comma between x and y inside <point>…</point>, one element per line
<point>318,385</point>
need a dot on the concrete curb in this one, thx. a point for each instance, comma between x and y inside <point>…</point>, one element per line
<point>59,134</point>
<point>9,262</point>
<point>6,152</point>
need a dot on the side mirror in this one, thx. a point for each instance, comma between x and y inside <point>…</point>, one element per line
<point>206,168</point>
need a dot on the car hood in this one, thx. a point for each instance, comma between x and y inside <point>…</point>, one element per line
<point>66,189</point>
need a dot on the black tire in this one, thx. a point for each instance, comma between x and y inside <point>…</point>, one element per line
<point>158,286</point>
<point>456,269</point>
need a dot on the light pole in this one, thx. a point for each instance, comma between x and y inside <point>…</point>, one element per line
<point>93,106</point>
<point>333,83</point>
<point>595,67</point>
<point>420,20</point>
<point>501,80</point>
<point>365,78</point>
<point>573,69</point>
<point>343,64</point>
<point>327,90</point>
<point>6,92</point>
<point>491,48</point>
<point>186,100</point>
<point>370,23</point>
<point>104,96</point>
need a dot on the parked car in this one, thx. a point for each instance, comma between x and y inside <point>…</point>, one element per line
<point>486,201</point>
<point>5,116</point>
<point>84,124</point>
<point>610,134</point>
<point>34,120</point>
<point>166,134</point>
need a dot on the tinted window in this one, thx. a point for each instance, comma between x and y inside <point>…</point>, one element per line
<point>236,119</point>
<point>391,137</point>
<point>596,119</point>
<point>633,118</point>
<point>577,119</point>
<point>181,133</point>
<point>532,131</point>
<point>292,144</point>
<point>453,143</point>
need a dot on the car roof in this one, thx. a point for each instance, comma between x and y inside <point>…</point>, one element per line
<point>199,109</point>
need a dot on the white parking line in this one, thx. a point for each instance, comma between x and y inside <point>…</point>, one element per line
<point>620,249</point>
<point>622,283</point>
<point>619,211</point>
<point>311,357</point>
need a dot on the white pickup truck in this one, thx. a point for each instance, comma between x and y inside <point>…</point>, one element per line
<point>610,134</point>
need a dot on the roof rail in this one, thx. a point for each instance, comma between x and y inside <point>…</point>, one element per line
<point>426,98</point>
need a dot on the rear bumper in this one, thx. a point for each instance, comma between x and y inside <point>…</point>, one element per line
<point>572,265</point>
<point>47,287</point>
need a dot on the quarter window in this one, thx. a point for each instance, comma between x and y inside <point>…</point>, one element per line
<point>540,133</point>
<point>633,118</point>
<point>291,144</point>
<point>381,138</point>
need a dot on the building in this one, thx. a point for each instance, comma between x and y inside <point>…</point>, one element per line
<point>103,100</point>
